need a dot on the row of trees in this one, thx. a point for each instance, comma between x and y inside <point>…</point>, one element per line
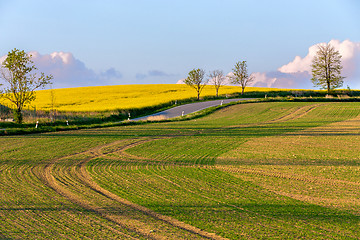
<point>326,73</point>
<point>196,78</point>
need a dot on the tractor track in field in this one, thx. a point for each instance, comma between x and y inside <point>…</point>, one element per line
<point>45,174</point>
<point>298,113</point>
<point>79,173</point>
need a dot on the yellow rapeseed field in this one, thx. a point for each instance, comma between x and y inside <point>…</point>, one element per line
<point>105,98</point>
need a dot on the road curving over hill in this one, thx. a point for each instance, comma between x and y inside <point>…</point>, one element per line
<point>185,109</point>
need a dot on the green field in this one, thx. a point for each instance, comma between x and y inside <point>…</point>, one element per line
<point>274,170</point>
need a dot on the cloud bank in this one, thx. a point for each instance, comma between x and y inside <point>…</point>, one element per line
<point>297,73</point>
<point>71,72</point>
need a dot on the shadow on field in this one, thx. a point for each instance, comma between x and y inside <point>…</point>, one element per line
<point>318,216</point>
<point>11,206</point>
<point>347,132</point>
<point>304,212</point>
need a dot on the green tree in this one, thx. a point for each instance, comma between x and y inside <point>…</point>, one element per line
<point>240,75</point>
<point>195,80</point>
<point>20,81</point>
<point>326,68</point>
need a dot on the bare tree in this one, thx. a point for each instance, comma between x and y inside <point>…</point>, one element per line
<point>195,80</point>
<point>240,75</point>
<point>326,68</point>
<point>21,83</point>
<point>217,79</point>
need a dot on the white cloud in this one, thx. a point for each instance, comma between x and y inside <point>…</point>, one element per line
<point>300,64</point>
<point>71,72</point>
<point>181,81</point>
<point>2,59</point>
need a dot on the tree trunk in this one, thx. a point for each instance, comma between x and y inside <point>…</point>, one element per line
<point>328,87</point>
<point>242,90</point>
<point>217,91</point>
<point>198,95</point>
<point>18,118</point>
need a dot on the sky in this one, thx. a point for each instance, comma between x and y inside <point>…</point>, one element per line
<point>113,42</point>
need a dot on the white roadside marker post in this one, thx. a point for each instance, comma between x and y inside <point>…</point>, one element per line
<point>221,102</point>
<point>129,117</point>
<point>182,114</point>
<point>37,124</point>
<point>67,123</point>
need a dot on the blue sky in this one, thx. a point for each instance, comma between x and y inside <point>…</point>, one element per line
<point>160,41</point>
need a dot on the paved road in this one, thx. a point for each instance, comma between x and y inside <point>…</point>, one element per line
<point>186,109</point>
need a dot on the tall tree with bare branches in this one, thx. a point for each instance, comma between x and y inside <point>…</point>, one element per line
<point>20,81</point>
<point>326,68</point>
<point>196,80</point>
<point>240,75</point>
<point>217,78</point>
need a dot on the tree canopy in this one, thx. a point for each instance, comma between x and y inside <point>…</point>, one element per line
<point>20,80</point>
<point>240,75</point>
<point>326,68</point>
<point>196,80</point>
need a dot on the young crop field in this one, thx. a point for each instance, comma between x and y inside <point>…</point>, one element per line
<point>272,170</point>
<point>105,98</point>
